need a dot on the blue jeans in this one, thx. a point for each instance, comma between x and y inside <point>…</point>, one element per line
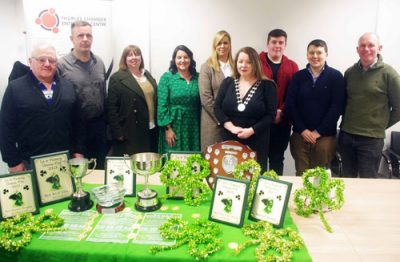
<point>361,155</point>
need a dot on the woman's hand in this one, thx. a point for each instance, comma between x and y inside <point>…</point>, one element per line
<point>232,128</point>
<point>170,136</point>
<point>245,133</point>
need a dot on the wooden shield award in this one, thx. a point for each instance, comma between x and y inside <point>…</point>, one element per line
<point>223,158</point>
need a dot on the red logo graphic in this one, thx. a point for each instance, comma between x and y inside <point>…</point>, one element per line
<point>48,20</point>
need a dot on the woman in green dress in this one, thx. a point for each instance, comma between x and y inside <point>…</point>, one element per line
<point>178,104</point>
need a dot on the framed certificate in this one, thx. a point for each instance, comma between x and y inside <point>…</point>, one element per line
<point>182,157</point>
<point>229,199</point>
<point>270,200</point>
<point>52,177</point>
<point>118,170</point>
<point>18,194</point>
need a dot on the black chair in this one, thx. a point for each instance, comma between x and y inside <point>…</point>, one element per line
<point>392,155</point>
<point>337,166</point>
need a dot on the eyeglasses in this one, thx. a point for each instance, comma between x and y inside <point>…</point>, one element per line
<point>43,60</point>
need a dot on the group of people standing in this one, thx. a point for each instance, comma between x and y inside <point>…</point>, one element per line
<point>256,99</point>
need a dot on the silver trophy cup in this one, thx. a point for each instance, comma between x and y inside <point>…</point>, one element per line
<point>78,169</point>
<point>146,164</point>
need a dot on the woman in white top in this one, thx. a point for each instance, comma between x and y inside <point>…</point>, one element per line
<point>217,67</point>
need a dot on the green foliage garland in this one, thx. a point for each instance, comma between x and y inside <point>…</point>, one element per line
<point>200,237</point>
<point>282,241</point>
<point>254,168</point>
<point>313,198</point>
<point>189,179</point>
<point>17,231</point>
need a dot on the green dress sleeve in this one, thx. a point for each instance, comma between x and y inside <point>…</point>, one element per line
<point>163,100</point>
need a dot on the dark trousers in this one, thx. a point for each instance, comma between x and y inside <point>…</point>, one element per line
<point>278,143</point>
<point>361,155</point>
<point>96,142</point>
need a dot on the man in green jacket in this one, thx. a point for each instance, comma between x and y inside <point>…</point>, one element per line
<point>373,105</point>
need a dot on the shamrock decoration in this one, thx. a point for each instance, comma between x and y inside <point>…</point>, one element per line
<point>26,187</point>
<point>55,180</point>
<point>17,197</point>
<point>189,180</point>
<point>5,191</point>
<point>228,204</point>
<point>112,171</point>
<point>314,198</point>
<point>17,232</point>
<point>43,172</point>
<point>63,169</point>
<point>269,203</point>
<point>200,237</point>
<point>254,168</point>
<point>119,178</point>
<point>282,241</point>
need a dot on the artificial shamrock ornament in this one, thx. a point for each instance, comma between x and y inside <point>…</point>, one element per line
<point>201,237</point>
<point>16,232</point>
<point>188,178</point>
<point>324,193</point>
<point>254,168</point>
<point>283,241</point>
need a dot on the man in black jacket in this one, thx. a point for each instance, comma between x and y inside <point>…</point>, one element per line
<point>39,113</point>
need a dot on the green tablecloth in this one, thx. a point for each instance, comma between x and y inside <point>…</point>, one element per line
<point>57,250</point>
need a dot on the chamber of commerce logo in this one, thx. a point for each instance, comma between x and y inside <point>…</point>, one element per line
<point>48,20</point>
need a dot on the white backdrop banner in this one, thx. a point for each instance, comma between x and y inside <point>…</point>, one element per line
<point>50,21</point>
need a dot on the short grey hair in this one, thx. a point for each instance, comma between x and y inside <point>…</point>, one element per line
<point>79,23</point>
<point>42,46</point>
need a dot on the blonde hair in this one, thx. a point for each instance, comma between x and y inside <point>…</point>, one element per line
<point>212,61</point>
<point>130,49</point>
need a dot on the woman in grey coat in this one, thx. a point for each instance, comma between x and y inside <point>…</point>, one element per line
<point>217,67</point>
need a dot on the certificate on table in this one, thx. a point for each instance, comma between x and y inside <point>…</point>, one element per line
<point>148,231</point>
<point>118,170</point>
<point>115,228</point>
<point>53,178</point>
<point>18,194</point>
<point>270,201</point>
<point>229,199</point>
<point>76,225</point>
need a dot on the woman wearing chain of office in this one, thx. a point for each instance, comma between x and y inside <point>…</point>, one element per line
<point>246,104</point>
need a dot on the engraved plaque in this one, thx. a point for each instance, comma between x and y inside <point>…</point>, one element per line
<point>224,157</point>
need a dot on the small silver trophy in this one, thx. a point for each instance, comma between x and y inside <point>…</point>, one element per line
<point>78,169</point>
<point>146,164</point>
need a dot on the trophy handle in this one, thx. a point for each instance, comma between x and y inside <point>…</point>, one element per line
<point>165,157</point>
<point>92,160</point>
<point>127,157</point>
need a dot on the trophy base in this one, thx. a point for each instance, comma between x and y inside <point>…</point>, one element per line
<point>110,210</point>
<point>147,203</point>
<point>79,204</point>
